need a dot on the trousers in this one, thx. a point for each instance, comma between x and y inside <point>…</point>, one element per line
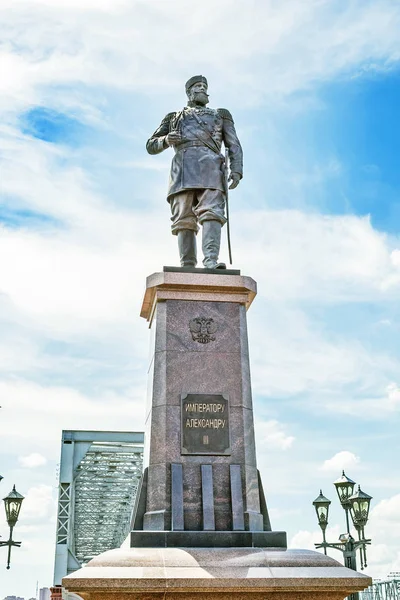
<point>191,207</point>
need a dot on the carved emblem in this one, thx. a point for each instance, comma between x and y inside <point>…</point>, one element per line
<point>202,329</point>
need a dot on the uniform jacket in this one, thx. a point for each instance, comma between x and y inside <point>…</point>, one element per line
<point>198,162</point>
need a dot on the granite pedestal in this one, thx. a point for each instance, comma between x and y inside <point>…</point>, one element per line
<point>214,574</point>
<point>201,527</point>
<point>201,471</point>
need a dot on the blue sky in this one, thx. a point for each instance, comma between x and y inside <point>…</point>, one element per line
<point>314,89</point>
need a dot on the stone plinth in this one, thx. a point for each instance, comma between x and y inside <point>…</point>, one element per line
<point>201,526</point>
<point>200,357</point>
<point>214,573</point>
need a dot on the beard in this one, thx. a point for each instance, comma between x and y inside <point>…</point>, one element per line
<point>200,98</point>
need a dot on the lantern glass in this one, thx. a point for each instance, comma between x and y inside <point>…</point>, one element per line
<point>12,504</point>
<point>322,509</point>
<point>322,512</point>
<point>345,488</point>
<point>359,508</point>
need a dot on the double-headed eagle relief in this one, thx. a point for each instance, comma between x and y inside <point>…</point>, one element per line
<point>203,329</point>
<point>198,184</point>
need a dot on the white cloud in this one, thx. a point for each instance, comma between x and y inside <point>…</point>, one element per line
<point>271,435</point>
<point>388,510</point>
<point>395,257</point>
<point>308,539</point>
<point>49,409</point>
<point>108,6</point>
<point>278,49</point>
<point>378,407</point>
<point>69,285</point>
<point>292,353</point>
<point>297,256</point>
<point>341,460</point>
<point>39,503</point>
<point>383,528</point>
<point>32,460</point>
<point>303,256</point>
<point>393,397</point>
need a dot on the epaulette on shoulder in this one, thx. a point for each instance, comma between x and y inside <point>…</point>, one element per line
<point>225,114</point>
<point>168,117</point>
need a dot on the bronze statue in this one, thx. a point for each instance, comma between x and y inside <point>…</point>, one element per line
<point>198,187</point>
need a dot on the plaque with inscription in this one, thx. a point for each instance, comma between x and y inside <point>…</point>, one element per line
<point>205,424</point>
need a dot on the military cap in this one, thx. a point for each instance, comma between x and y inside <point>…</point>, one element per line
<point>195,79</point>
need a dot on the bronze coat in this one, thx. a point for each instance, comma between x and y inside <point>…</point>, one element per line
<point>198,162</point>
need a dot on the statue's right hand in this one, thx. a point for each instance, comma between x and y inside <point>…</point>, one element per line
<point>173,138</point>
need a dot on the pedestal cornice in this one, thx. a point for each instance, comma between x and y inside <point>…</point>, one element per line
<point>196,286</point>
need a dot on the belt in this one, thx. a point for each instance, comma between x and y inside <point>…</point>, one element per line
<point>190,144</point>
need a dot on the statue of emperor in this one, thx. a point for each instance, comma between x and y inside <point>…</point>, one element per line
<point>197,190</point>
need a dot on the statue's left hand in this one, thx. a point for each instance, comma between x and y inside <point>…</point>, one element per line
<point>235,178</point>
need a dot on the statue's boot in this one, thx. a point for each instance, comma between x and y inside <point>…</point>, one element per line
<point>187,247</point>
<point>211,244</point>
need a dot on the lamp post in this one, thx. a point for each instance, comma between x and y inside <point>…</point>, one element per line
<point>345,487</point>
<point>12,505</point>
<point>322,508</point>
<point>357,504</point>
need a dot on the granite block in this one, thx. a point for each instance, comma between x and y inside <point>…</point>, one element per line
<point>195,286</point>
<point>201,270</point>
<point>208,539</point>
<point>156,520</point>
<point>192,494</point>
<point>165,444</point>
<point>242,557</point>
<point>148,540</point>
<point>158,487</point>
<point>218,573</point>
<point>244,338</point>
<point>275,539</point>
<point>139,508</point>
<point>222,500</point>
<point>237,435</point>
<point>251,489</point>
<point>139,557</point>
<point>181,365</point>
<point>150,381</point>
<point>226,319</point>
<point>236,486</point>
<point>158,380</point>
<point>207,494</point>
<point>248,437</point>
<point>202,594</point>
<point>159,328</point>
<point>176,497</point>
<point>292,558</point>
<point>203,373</point>
<point>253,520</point>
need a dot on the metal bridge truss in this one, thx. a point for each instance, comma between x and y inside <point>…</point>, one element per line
<point>382,590</point>
<point>99,476</point>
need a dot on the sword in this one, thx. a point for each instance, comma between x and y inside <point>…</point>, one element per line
<point>228,231</point>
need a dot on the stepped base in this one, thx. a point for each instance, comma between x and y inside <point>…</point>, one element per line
<point>214,574</point>
<point>208,539</point>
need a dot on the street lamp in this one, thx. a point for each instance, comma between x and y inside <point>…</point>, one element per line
<point>359,510</point>
<point>357,504</point>
<point>12,505</point>
<point>322,509</point>
<point>345,487</point>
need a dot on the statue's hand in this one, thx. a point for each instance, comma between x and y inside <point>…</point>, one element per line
<point>235,178</point>
<point>173,138</point>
